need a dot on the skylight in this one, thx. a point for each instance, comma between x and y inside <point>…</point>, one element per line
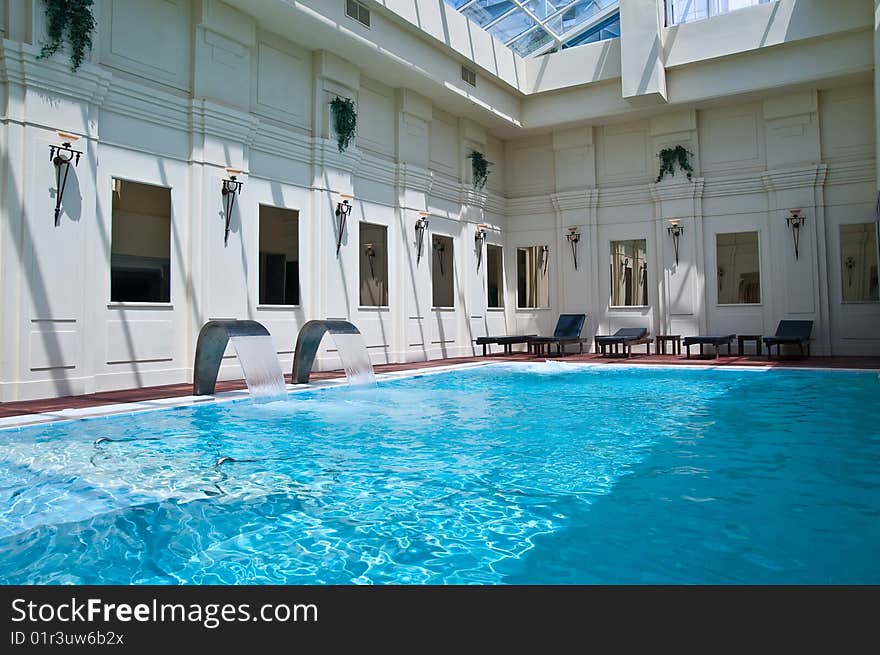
<point>533,27</point>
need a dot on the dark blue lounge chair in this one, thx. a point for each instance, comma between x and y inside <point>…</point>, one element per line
<point>626,337</point>
<point>709,340</point>
<point>790,332</point>
<point>568,330</point>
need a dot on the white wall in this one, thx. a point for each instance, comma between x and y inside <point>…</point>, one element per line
<point>216,86</point>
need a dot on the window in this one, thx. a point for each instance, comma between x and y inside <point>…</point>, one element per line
<point>532,280</point>
<point>858,259</point>
<point>685,11</point>
<point>442,272</point>
<point>374,265</point>
<point>468,76</point>
<point>533,27</point>
<point>140,243</point>
<point>357,11</point>
<point>494,277</point>
<point>739,277</point>
<point>629,273</point>
<point>279,256</point>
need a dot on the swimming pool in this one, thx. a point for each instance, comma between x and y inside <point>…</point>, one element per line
<point>504,473</point>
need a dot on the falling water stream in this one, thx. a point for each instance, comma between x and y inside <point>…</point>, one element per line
<point>262,372</point>
<point>355,358</point>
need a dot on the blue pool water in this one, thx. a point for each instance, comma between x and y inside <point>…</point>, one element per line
<point>532,473</point>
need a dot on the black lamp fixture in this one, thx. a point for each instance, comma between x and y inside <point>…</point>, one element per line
<point>479,240</point>
<point>61,157</point>
<point>795,220</point>
<point>675,230</point>
<point>545,259</point>
<point>230,187</point>
<point>421,226</point>
<point>573,238</point>
<point>720,278</point>
<point>850,265</point>
<point>343,210</point>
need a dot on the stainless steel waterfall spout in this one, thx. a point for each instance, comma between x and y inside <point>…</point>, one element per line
<point>309,340</point>
<point>210,347</point>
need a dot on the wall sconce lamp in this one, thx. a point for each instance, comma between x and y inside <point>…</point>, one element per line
<point>479,240</point>
<point>545,259</point>
<point>573,237</point>
<point>675,230</point>
<point>421,226</point>
<point>343,210</point>
<point>440,249</point>
<point>230,187</point>
<point>794,220</point>
<point>850,265</point>
<point>62,156</point>
<point>370,252</point>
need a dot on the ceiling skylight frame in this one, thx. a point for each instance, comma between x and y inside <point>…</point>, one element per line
<point>543,25</point>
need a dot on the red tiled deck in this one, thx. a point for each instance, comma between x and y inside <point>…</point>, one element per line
<point>174,390</point>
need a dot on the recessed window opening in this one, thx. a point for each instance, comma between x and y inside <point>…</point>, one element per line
<point>140,243</point>
<point>629,273</point>
<point>442,271</point>
<point>373,265</point>
<point>858,259</point>
<point>532,277</point>
<point>494,277</point>
<point>739,271</point>
<point>279,256</point>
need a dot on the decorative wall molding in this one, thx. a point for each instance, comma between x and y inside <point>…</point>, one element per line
<point>228,124</point>
<point>154,106</point>
<point>414,177</point>
<point>282,142</point>
<point>446,188</point>
<point>325,153</point>
<point>638,194</point>
<point>376,169</point>
<point>574,200</point>
<point>851,172</point>
<point>736,185</point>
<point>794,178</point>
<point>19,65</point>
<point>541,204</point>
<point>675,190</point>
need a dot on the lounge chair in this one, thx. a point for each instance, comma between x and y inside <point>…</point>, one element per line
<point>506,342</point>
<point>568,330</point>
<point>626,337</point>
<point>790,332</point>
<point>709,340</point>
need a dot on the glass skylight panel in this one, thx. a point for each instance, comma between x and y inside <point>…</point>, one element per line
<point>533,27</point>
<point>573,16</point>
<point>528,43</point>
<point>511,26</point>
<point>484,12</point>
<point>544,8</point>
<point>685,11</point>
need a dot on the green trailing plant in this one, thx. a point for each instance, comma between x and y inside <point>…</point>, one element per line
<point>73,19</point>
<point>344,121</point>
<point>480,169</point>
<point>669,157</point>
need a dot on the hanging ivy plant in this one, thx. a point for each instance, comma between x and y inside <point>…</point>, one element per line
<point>671,156</point>
<point>344,121</point>
<point>480,169</point>
<point>72,18</point>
